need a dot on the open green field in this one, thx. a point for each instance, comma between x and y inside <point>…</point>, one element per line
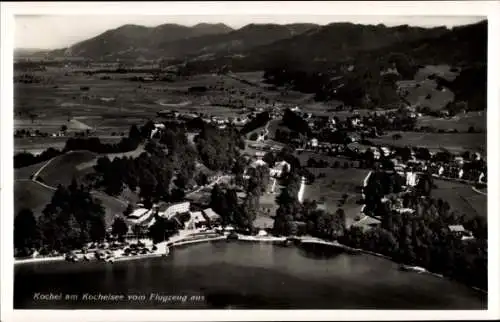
<point>25,173</point>
<point>426,94</point>
<point>63,168</point>
<point>333,186</point>
<point>461,197</point>
<point>29,194</point>
<point>37,145</point>
<point>460,122</point>
<point>454,142</point>
<point>443,71</point>
<point>60,171</point>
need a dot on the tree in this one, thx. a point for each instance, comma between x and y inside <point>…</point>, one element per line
<point>26,232</point>
<point>201,179</point>
<point>71,219</point>
<point>396,136</point>
<point>119,228</point>
<point>134,133</point>
<point>253,137</point>
<point>128,210</point>
<point>64,128</point>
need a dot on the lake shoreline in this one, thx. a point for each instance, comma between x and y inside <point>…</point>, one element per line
<point>265,239</point>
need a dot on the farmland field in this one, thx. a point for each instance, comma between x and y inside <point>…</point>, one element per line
<point>454,142</point>
<point>461,197</point>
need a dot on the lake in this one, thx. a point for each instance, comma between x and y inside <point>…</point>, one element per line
<point>239,275</point>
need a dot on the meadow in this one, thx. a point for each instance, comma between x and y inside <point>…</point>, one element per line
<point>331,188</point>
<point>460,122</point>
<point>454,142</point>
<point>461,197</point>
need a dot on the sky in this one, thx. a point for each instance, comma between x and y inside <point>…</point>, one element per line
<point>51,32</point>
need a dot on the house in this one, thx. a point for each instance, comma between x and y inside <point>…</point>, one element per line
<point>386,151</point>
<point>460,231</point>
<point>175,208</point>
<point>356,121</point>
<point>314,142</point>
<point>140,215</point>
<point>481,178</point>
<point>197,220</point>
<point>279,168</point>
<point>405,210</point>
<point>212,217</point>
<point>459,160</point>
<point>258,163</point>
<point>354,137</point>
<point>411,178</point>
<point>376,152</point>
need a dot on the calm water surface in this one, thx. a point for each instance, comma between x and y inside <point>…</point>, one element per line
<point>243,275</point>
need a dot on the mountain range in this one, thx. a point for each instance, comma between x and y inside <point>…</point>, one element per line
<point>257,46</point>
<point>130,42</point>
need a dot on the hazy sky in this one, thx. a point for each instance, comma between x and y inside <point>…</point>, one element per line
<point>57,31</point>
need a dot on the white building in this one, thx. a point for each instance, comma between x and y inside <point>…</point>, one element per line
<point>197,220</point>
<point>411,179</point>
<point>258,163</point>
<point>302,189</point>
<point>211,215</point>
<point>314,142</point>
<point>386,151</point>
<point>177,208</point>
<point>279,168</point>
<point>139,215</point>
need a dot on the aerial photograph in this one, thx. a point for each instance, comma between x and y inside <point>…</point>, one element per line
<point>250,162</point>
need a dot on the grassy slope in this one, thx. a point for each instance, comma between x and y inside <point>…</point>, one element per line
<point>461,197</point>
<point>28,194</point>
<point>62,169</point>
<point>455,142</point>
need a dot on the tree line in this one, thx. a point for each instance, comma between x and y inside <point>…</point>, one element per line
<point>422,237</point>
<point>70,220</point>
